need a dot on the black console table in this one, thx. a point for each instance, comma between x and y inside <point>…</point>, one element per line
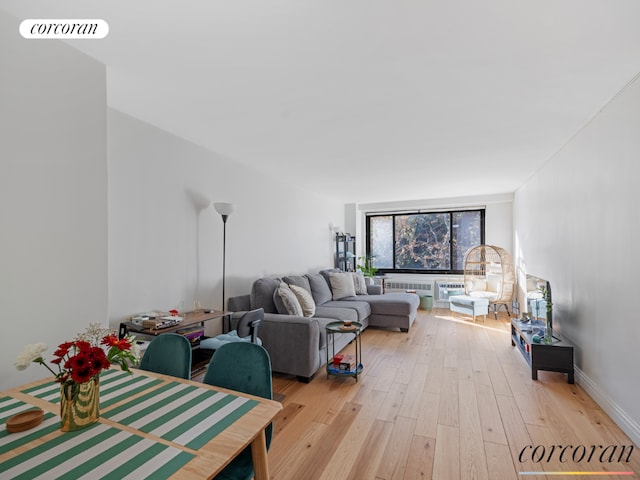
<point>556,356</point>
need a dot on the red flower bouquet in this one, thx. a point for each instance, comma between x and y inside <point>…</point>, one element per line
<point>81,360</point>
<point>79,364</point>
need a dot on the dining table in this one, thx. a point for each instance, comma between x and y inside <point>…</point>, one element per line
<point>151,426</point>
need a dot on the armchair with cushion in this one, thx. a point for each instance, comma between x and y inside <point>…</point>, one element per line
<point>489,273</point>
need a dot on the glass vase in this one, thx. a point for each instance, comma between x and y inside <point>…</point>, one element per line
<point>79,404</point>
<point>548,332</point>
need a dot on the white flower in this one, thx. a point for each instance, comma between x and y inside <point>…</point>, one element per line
<point>135,350</point>
<point>94,334</point>
<point>29,354</point>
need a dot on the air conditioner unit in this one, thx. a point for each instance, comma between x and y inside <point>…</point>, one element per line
<point>422,287</point>
<point>446,289</point>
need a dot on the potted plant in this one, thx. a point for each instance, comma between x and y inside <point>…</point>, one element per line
<point>365,265</point>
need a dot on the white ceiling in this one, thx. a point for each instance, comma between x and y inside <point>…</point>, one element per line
<point>366,100</point>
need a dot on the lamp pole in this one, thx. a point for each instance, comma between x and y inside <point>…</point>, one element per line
<point>224,254</point>
<point>224,209</point>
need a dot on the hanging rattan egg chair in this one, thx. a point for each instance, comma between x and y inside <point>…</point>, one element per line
<point>489,273</point>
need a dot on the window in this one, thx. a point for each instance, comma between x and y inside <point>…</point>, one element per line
<point>431,242</point>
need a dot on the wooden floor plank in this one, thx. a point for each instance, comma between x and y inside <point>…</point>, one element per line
<point>448,410</point>
<point>420,459</point>
<point>490,419</point>
<point>473,464</point>
<point>446,461</point>
<point>393,463</point>
<point>345,449</point>
<point>515,429</point>
<point>369,456</point>
<point>499,462</point>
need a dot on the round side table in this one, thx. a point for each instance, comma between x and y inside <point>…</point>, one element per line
<point>344,370</point>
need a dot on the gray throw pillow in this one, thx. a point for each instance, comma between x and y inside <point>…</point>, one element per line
<point>262,294</point>
<point>342,285</point>
<point>319,288</point>
<point>359,283</point>
<point>298,280</point>
<point>325,273</point>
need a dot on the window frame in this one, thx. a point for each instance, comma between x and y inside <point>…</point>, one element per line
<point>450,212</point>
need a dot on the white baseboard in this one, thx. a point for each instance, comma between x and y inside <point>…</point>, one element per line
<point>617,414</point>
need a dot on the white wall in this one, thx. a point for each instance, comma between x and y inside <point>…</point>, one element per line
<point>162,252</point>
<point>576,224</point>
<point>53,195</point>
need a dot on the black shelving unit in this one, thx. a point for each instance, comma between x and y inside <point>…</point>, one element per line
<point>346,252</point>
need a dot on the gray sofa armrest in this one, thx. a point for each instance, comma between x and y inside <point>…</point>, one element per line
<point>241,303</point>
<point>292,343</point>
<point>374,289</point>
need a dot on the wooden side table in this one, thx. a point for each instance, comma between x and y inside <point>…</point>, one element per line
<point>191,319</point>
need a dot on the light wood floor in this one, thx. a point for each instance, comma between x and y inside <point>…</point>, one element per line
<point>449,400</point>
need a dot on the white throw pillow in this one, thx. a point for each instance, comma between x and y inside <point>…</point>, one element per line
<point>479,284</point>
<point>359,283</point>
<point>289,300</point>
<point>305,299</point>
<point>342,285</point>
<point>493,283</point>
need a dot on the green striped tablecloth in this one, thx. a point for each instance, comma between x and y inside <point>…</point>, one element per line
<point>115,385</point>
<point>184,414</point>
<point>10,406</point>
<point>96,452</point>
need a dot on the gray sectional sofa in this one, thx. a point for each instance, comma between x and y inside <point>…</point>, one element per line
<point>297,344</point>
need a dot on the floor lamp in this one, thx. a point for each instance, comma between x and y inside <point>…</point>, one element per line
<point>224,209</point>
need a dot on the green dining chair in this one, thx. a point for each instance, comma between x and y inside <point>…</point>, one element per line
<point>169,354</point>
<point>244,367</point>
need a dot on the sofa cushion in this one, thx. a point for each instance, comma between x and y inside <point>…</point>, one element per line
<point>298,280</point>
<point>286,301</point>
<point>342,285</point>
<point>359,283</point>
<point>305,299</point>
<point>362,308</point>
<point>482,294</point>
<point>392,303</point>
<point>319,288</point>
<point>262,294</point>
<point>336,313</point>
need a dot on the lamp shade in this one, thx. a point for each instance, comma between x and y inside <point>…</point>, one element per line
<point>223,208</point>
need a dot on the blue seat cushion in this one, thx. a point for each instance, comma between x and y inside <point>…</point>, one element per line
<point>468,300</point>
<point>215,343</point>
